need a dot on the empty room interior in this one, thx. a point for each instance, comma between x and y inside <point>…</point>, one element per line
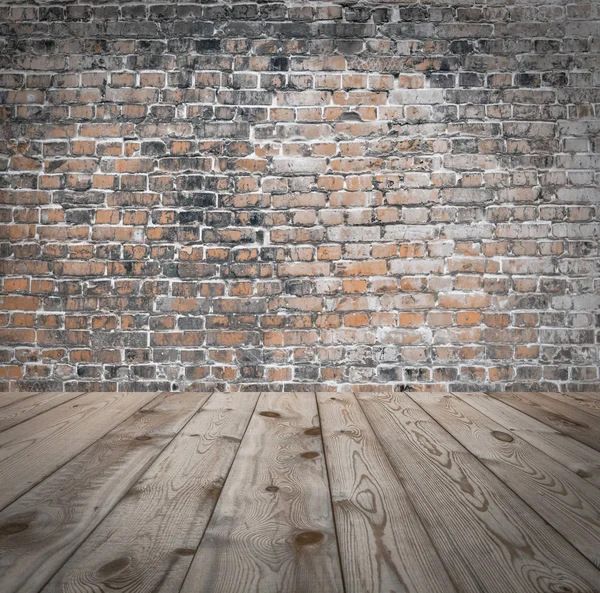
<point>299,296</point>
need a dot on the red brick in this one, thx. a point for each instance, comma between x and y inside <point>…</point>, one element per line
<point>19,303</point>
<point>367,268</point>
<point>310,205</point>
<point>356,319</point>
<point>411,319</point>
<point>177,339</point>
<point>79,268</point>
<point>17,336</point>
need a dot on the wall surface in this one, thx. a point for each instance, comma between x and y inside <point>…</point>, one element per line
<point>277,195</point>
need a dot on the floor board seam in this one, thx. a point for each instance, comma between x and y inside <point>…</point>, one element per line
<point>408,495</point>
<point>567,543</point>
<point>145,469</point>
<point>335,528</point>
<point>212,512</point>
<point>82,450</point>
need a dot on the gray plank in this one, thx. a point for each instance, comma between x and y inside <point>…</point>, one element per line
<point>34,449</point>
<point>487,537</point>
<point>563,499</point>
<point>50,521</point>
<point>147,541</point>
<point>383,544</point>
<point>272,529</point>
<point>579,458</point>
<point>579,425</point>
<point>8,398</point>
<point>32,406</point>
<point>585,401</point>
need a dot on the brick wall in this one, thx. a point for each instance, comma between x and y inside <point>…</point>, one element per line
<point>289,195</point>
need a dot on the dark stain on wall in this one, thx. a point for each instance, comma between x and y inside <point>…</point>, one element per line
<point>275,195</point>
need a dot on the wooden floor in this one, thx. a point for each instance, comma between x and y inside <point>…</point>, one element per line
<point>299,492</point>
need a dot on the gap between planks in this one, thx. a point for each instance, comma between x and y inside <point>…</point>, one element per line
<point>489,538</point>
<point>148,540</point>
<point>343,429</point>
<point>561,497</point>
<point>52,519</point>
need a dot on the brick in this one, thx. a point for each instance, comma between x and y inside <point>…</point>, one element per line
<point>303,269</point>
<point>527,266</point>
<point>417,97</point>
<point>19,303</point>
<point>411,319</point>
<point>177,339</point>
<point>412,196</point>
<point>464,300</point>
<point>78,268</point>
<point>417,266</point>
<point>368,268</point>
<point>298,166</point>
<point>267,194</point>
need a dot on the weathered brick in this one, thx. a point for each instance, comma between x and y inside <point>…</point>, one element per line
<point>344,194</point>
<point>79,268</point>
<point>359,268</point>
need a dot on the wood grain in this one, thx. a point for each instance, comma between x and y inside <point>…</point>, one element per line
<point>148,540</point>
<point>383,544</point>
<point>563,499</point>
<point>576,456</point>
<point>34,449</point>
<point>32,406</point>
<point>487,537</point>
<point>40,530</point>
<point>272,530</point>
<point>8,398</point>
<point>580,425</point>
<point>379,499</point>
<point>585,401</point>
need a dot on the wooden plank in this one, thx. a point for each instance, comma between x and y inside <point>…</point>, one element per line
<point>7,398</point>
<point>272,529</point>
<point>383,544</point>
<point>32,406</point>
<point>487,537</point>
<point>585,401</point>
<point>47,524</point>
<point>563,499</point>
<point>576,456</point>
<point>148,540</point>
<point>34,449</point>
<point>582,426</point>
